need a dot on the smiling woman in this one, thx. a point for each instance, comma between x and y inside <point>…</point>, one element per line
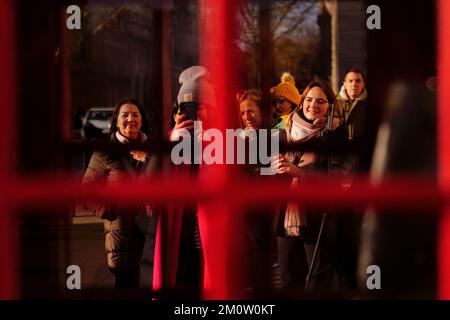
<point>129,120</point>
<point>298,224</point>
<point>315,104</point>
<point>127,228</point>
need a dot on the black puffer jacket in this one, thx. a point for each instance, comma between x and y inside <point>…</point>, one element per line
<point>123,239</point>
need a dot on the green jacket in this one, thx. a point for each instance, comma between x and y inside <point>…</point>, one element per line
<point>360,126</point>
<point>353,115</point>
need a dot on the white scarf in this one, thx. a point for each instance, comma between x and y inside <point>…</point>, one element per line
<point>343,94</point>
<point>298,128</point>
<point>125,140</point>
<point>135,154</point>
<point>294,216</point>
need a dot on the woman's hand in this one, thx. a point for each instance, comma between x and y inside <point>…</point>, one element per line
<point>284,166</point>
<point>139,155</point>
<point>180,128</point>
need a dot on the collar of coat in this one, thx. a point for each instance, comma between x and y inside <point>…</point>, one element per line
<point>125,140</point>
<point>343,95</point>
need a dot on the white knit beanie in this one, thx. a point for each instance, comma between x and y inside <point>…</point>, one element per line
<point>195,86</point>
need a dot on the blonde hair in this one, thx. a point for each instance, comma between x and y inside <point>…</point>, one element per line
<point>254,95</point>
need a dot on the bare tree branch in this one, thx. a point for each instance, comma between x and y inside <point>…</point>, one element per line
<point>295,24</point>
<point>250,31</point>
<point>285,12</point>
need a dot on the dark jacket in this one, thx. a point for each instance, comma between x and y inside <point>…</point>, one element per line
<point>359,123</point>
<point>337,163</point>
<point>325,156</point>
<point>353,114</point>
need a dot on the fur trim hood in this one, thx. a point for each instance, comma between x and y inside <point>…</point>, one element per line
<point>343,95</point>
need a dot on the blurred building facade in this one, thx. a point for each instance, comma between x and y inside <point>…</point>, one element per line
<point>120,54</point>
<point>348,37</point>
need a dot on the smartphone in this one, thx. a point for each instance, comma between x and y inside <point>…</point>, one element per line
<point>189,109</point>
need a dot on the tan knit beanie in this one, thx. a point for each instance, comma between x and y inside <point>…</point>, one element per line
<point>286,89</point>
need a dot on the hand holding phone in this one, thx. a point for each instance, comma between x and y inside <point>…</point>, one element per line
<point>181,125</point>
<point>189,109</point>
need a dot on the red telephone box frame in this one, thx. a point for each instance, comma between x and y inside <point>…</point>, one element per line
<point>14,189</point>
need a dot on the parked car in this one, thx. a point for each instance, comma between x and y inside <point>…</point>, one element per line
<point>96,122</point>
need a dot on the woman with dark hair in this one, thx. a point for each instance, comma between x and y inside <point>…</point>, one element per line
<point>298,226</point>
<point>126,226</point>
<point>118,118</point>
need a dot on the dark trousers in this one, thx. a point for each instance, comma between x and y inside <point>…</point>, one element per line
<point>190,262</point>
<point>293,262</point>
<point>258,250</point>
<point>295,257</point>
<point>126,280</point>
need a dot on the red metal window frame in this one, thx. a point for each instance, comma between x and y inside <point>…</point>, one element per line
<point>15,190</point>
<point>443,150</point>
<point>9,265</point>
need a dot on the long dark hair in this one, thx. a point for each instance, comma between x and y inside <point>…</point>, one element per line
<point>326,88</point>
<point>174,111</point>
<point>145,128</point>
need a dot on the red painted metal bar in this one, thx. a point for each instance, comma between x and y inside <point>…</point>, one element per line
<point>395,193</point>
<point>64,60</point>
<point>444,145</point>
<point>9,268</point>
<point>221,245</point>
<point>44,192</point>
